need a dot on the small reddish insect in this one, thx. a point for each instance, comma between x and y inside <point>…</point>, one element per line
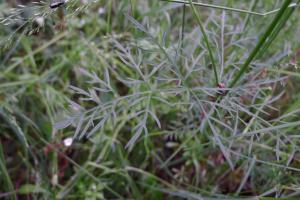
<point>221,86</point>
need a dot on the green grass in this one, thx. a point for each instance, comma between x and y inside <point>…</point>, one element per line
<point>162,100</point>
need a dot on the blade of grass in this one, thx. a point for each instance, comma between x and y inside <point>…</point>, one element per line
<point>11,121</point>
<point>206,40</point>
<point>109,16</point>
<point>7,183</point>
<point>247,175</point>
<point>253,6</point>
<point>228,8</point>
<point>261,42</point>
<point>285,72</point>
<point>34,52</point>
<point>182,29</point>
<point>280,26</point>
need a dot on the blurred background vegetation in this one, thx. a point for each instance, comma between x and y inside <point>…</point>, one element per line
<point>118,100</point>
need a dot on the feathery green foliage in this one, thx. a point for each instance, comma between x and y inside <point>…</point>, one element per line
<point>149,100</point>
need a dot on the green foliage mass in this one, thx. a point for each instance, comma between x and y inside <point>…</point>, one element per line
<point>149,99</point>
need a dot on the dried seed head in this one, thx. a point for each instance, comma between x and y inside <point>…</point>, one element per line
<point>221,85</point>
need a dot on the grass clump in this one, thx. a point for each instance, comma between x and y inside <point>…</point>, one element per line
<point>150,100</point>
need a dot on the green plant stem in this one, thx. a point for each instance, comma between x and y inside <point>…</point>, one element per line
<point>280,26</point>
<point>5,178</point>
<point>254,4</point>
<point>206,40</point>
<point>228,8</point>
<point>261,42</point>
<point>109,23</point>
